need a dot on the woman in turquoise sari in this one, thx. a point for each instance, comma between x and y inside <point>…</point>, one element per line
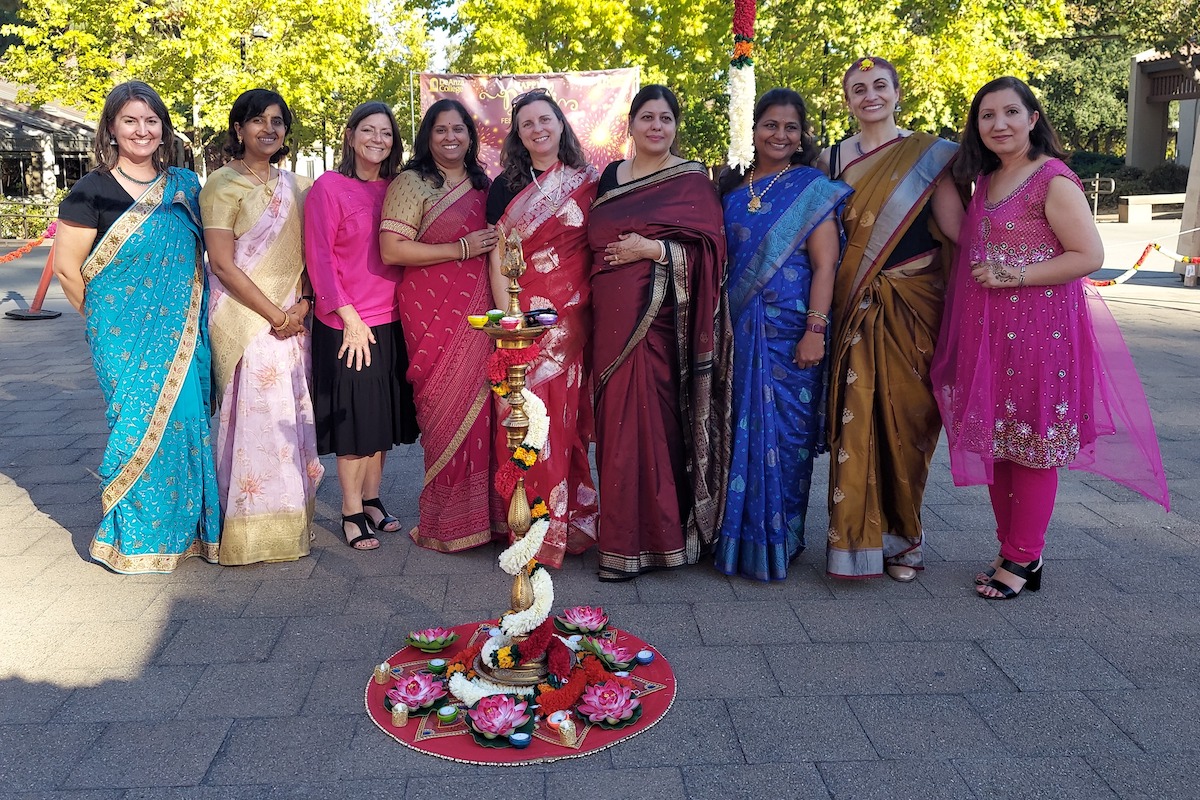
<point>783,240</point>
<point>128,258</point>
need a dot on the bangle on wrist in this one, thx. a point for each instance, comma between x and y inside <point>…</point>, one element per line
<point>823,317</point>
<point>462,248</point>
<point>282,325</point>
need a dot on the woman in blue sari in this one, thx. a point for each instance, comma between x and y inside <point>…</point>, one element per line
<point>783,240</point>
<point>128,257</point>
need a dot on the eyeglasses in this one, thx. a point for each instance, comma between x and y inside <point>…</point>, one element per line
<point>532,94</point>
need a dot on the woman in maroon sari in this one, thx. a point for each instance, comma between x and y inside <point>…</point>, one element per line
<point>433,225</point>
<point>661,351</point>
<point>543,196</point>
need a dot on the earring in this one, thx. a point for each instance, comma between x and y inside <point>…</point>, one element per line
<point>112,140</point>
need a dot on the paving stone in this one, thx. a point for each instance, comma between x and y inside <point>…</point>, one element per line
<point>149,754</point>
<point>799,729</point>
<point>952,619</point>
<point>1053,665</point>
<point>216,641</point>
<point>696,584</point>
<point>112,651</point>
<point>841,621</point>
<point>337,687</point>
<point>291,598</point>
<point>805,581</point>
<point>924,727</point>
<point>663,625</point>
<point>657,783</point>
<point>297,570</point>
<point>832,669</point>
<point>692,732</point>
<point>942,667</point>
<point>118,603</point>
<point>202,601</point>
<point>284,751</point>
<point>1149,776</point>
<point>1152,661</point>
<point>532,784</point>
<point>1034,779</point>
<point>241,691</point>
<point>155,694</point>
<point>1158,720</point>
<point>705,673</point>
<point>1051,724</point>
<point>17,570</point>
<point>22,701</point>
<point>748,623</point>
<point>893,780</point>
<point>744,782</point>
<point>395,593</point>
<point>329,638</point>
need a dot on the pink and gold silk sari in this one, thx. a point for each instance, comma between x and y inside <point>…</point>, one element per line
<point>551,217</point>
<point>446,360</point>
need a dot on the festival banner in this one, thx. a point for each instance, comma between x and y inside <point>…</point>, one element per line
<point>595,103</point>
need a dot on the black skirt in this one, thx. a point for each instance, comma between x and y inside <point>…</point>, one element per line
<point>359,413</point>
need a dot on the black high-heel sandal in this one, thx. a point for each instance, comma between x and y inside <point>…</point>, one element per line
<point>359,521</point>
<point>386,522</point>
<point>1032,575</point>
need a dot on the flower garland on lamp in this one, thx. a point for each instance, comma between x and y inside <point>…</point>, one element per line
<point>741,87</point>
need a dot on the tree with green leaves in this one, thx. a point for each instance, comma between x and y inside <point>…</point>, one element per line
<point>323,57</point>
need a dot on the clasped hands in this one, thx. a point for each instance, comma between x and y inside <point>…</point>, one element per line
<point>631,247</point>
<point>294,324</point>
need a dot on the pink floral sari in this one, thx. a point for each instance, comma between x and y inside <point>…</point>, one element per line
<point>446,360</point>
<point>551,219</point>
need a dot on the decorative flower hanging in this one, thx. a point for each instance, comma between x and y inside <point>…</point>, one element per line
<point>741,86</point>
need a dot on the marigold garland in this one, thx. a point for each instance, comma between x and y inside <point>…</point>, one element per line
<point>741,86</point>
<point>590,671</point>
<point>533,648</point>
<point>23,250</point>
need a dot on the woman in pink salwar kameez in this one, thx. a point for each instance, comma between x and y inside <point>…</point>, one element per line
<point>433,226</point>
<point>267,463</point>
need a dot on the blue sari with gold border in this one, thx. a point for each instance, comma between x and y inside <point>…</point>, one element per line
<point>144,304</point>
<point>778,407</point>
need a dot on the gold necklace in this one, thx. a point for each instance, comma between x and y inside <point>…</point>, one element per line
<point>255,174</point>
<point>756,199</point>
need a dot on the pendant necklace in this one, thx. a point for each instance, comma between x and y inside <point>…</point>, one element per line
<point>538,185</point>
<point>255,174</point>
<point>129,177</point>
<point>756,199</point>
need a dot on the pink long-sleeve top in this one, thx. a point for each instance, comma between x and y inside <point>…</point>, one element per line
<point>341,248</point>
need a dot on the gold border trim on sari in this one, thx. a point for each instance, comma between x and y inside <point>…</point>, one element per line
<point>120,485</point>
<point>117,561</point>
<point>658,293</point>
<point>451,197</point>
<point>114,238</point>
<point>662,176</point>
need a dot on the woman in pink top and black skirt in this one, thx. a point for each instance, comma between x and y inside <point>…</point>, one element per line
<point>363,404</point>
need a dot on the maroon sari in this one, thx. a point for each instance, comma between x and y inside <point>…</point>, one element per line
<point>551,219</point>
<point>446,361</point>
<point>662,359</point>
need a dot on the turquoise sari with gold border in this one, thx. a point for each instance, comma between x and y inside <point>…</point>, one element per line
<point>144,302</point>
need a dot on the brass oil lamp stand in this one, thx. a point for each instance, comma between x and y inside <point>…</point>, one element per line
<point>520,519</point>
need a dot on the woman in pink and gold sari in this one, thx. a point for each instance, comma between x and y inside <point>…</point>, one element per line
<point>433,225</point>
<point>267,463</point>
<point>543,196</point>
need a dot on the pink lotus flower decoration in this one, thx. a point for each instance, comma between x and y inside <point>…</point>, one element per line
<point>419,690</point>
<point>614,657</point>
<point>432,640</point>
<point>608,702</point>
<point>498,715</point>
<point>585,619</point>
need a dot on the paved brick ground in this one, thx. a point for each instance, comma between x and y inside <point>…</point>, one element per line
<point>247,682</point>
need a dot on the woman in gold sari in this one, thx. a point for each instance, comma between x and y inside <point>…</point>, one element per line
<point>267,463</point>
<point>901,223</point>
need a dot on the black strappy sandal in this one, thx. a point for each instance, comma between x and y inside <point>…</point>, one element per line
<point>359,521</point>
<point>1032,575</point>
<point>386,522</point>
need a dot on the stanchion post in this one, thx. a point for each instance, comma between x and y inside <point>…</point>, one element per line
<point>35,310</point>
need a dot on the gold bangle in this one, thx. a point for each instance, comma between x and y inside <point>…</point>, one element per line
<point>282,325</point>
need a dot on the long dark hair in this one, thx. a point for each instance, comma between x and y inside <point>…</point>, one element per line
<point>515,162</point>
<point>391,164</point>
<point>104,146</point>
<point>975,159</point>
<point>422,158</point>
<point>249,105</point>
<point>656,91</point>
<point>806,154</point>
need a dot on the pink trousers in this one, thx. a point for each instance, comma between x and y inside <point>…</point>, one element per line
<point>1023,501</point>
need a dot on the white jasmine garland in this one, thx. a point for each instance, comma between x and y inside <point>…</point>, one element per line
<point>741,116</point>
<point>523,622</point>
<point>539,421</point>
<point>472,691</point>
<point>521,552</point>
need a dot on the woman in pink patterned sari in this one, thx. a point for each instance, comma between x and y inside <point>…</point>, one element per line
<point>433,225</point>
<point>267,463</point>
<point>543,196</point>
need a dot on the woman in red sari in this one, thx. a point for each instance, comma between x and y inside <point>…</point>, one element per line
<point>543,196</point>
<point>661,350</point>
<point>433,225</point>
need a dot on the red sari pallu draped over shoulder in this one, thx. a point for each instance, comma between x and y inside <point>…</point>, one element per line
<point>446,360</point>
<point>662,360</point>
<point>551,218</point>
